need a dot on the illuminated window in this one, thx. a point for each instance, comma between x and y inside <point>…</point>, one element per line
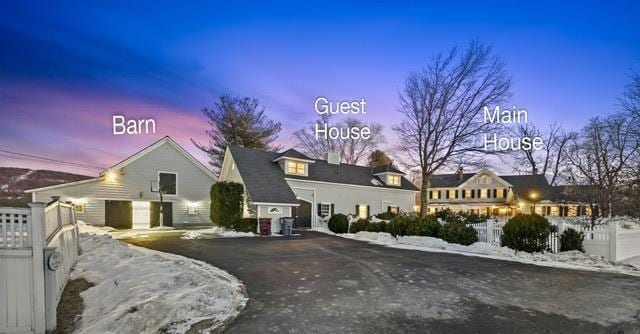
<point>452,194</point>
<point>294,167</point>
<point>483,193</point>
<point>435,194</point>
<point>362,211</point>
<point>500,193</point>
<point>467,193</point>
<point>393,180</point>
<point>393,209</point>
<point>79,207</point>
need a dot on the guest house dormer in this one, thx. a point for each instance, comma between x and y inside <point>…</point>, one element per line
<point>390,175</point>
<point>293,162</point>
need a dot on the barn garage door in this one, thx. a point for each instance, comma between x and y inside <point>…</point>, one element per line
<point>118,214</point>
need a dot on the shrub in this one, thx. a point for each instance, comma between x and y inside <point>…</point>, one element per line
<point>377,227</point>
<point>386,215</point>
<point>338,223</point>
<point>226,203</point>
<point>448,216</point>
<point>528,233</point>
<point>571,240</point>
<point>423,226</point>
<point>458,233</point>
<point>398,226</point>
<point>246,225</point>
<point>360,225</point>
<point>473,218</point>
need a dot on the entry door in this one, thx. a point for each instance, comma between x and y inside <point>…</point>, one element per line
<point>302,214</point>
<point>167,214</point>
<point>118,214</point>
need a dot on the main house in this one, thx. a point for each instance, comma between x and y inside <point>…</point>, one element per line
<point>290,184</point>
<point>505,195</point>
<point>127,195</point>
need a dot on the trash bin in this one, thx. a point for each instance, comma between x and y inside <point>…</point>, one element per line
<point>265,226</point>
<point>287,226</point>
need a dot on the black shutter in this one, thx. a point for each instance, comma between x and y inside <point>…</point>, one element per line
<point>464,193</point>
<point>456,194</point>
<point>332,208</point>
<point>446,194</point>
<point>388,209</point>
<point>357,210</point>
<point>473,193</point>
<point>439,194</point>
<point>430,194</point>
<point>504,192</point>
<point>495,193</point>
<point>319,209</point>
<point>368,212</point>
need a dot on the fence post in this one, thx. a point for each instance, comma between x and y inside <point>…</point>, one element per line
<point>489,231</point>
<point>59,215</point>
<point>37,247</point>
<point>613,241</point>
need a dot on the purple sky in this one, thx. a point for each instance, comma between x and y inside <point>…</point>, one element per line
<point>66,69</point>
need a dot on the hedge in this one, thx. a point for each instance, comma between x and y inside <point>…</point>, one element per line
<point>226,203</point>
<point>246,225</point>
<point>338,223</point>
<point>526,232</point>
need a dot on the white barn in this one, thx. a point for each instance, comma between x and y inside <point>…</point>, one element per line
<point>122,196</point>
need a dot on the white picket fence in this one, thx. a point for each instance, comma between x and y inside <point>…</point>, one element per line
<point>32,242</point>
<point>609,241</point>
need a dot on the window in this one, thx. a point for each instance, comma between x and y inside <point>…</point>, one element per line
<point>483,193</point>
<point>393,209</point>
<point>435,194</point>
<point>500,193</point>
<point>452,194</point>
<point>79,207</point>
<point>467,193</point>
<point>325,209</point>
<point>363,211</point>
<point>168,183</point>
<point>393,180</point>
<point>294,167</point>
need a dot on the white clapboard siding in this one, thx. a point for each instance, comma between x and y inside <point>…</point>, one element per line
<point>135,185</point>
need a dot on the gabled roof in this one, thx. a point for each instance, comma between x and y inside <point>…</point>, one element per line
<point>131,159</point>
<point>524,185</point>
<point>165,139</point>
<point>387,169</point>
<point>263,178</point>
<point>266,181</point>
<point>449,180</point>
<point>291,153</point>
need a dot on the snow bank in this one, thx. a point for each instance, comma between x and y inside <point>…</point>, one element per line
<point>138,290</point>
<point>215,232</point>
<point>568,260</point>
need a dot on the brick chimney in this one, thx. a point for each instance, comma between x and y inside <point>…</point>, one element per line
<point>535,171</point>
<point>460,173</point>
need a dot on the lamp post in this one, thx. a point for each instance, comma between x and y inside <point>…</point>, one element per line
<point>533,196</point>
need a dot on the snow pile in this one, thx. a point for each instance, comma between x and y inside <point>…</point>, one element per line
<point>214,232</point>
<point>569,260</point>
<point>138,290</point>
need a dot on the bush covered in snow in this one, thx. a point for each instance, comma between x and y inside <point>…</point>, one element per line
<point>358,226</point>
<point>338,223</point>
<point>458,233</point>
<point>423,226</point>
<point>386,215</point>
<point>377,227</point>
<point>398,226</point>
<point>461,217</point>
<point>528,233</point>
<point>246,225</point>
<point>571,240</point>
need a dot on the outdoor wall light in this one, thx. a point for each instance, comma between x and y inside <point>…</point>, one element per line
<point>111,176</point>
<point>192,209</point>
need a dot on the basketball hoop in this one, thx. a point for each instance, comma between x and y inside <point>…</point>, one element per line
<point>155,186</point>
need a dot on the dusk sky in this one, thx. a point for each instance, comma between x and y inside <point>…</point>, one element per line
<point>67,67</point>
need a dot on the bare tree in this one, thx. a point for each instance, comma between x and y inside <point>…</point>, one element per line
<point>600,157</point>
<point>352,151</point>
<point>548,161</point>
<point>442,109</point>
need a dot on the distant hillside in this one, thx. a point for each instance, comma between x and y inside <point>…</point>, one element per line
<point>14,181</point>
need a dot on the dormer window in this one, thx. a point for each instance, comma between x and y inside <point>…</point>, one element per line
<point>393,180</point>
<point>297,168</point>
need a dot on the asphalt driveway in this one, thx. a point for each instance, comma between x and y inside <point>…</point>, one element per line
<point>316,283</point>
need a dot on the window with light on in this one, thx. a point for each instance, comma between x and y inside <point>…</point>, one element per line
<point>294,167</point>
<point>393,180</point>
